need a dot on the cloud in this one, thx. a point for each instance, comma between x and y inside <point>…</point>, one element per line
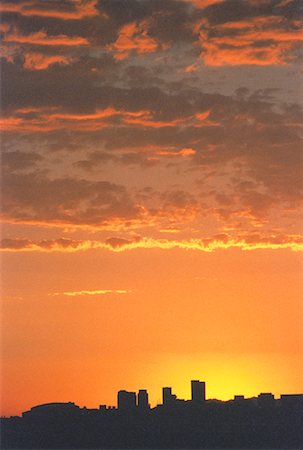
<point>133,37</point>
<point>34,198</point>
<point>47,120</point>
<point>65,10</point>
<point>60,244</point>
<point>178,146</point>
<point>17,160</point>
<point>253,241</point>
<point>202,4</point>
<point>39,61</point>
<point>119,243</point>
<point>42,38</point>
<point>247,133</point>
<point>44,120</point>
<point>90,292</point>
<point>260,40</point>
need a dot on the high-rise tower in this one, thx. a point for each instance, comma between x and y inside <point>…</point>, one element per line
<point>143,399</point>
<point>197,391</point>
<point>126,400</point>
<point>167,397</point>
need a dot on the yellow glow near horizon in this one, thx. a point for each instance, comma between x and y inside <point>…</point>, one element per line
<point>227,375</point>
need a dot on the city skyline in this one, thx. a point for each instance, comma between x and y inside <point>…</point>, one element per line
<point>139,399</point>
<point>198,422</point>
<point>152,199</point>
<point>261,422</point>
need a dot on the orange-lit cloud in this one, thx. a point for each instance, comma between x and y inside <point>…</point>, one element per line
<point>257,41</point>
<point>184,152</point>
<point>45,121</point>
<point>147,120</point>
<point>48,120</point>
<point>191,68</point>
<point>39,61</point>
<point>133,37</point>
<point>223,241</point>
<point>42,38</point>
<point>92,292</point>
<point>201,4</point>
<point>75,10</point>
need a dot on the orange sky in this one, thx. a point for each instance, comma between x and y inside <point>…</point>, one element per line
<point>151,199</point>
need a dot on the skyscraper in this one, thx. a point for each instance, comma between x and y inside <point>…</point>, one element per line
<point>126,400</point>
<point>167,397</point>
<point>143,399</point>
<point>197,391</point>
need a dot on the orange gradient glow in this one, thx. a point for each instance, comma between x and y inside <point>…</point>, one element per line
<point>242,335</point>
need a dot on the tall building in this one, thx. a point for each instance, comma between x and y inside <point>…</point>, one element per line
<point>197,391</point>
<point>143,399</point>
<point>167,397</point>
<point>126,400</point>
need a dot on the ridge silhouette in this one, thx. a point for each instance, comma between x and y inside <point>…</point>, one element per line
<point>261,422</point>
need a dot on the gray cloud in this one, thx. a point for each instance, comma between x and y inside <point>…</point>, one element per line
<point>31,197</point>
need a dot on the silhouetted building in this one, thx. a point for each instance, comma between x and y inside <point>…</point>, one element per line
<point>239,398</point>
<point>143,399</point>
<point>126,400</point>
<point>266,399</point>
<point>295,400</point>
<point>52,409</point>
<point>197,391</point>
<point>167,397</point>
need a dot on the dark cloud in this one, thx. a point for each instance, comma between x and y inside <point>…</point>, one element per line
<point>15,244</point>
<point>238,10</point>
<point>97,159</point>
<point>120,242</point>
<point>17,160</point>
<point>135,95</point>
<point>44,244</point>
<point>32,197</point>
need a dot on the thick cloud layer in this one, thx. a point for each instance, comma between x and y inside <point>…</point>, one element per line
<point>124,116</point>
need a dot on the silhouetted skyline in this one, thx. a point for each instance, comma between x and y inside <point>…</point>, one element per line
<point>259,422</point>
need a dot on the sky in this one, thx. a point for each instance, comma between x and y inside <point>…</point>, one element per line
<point>151,199</point>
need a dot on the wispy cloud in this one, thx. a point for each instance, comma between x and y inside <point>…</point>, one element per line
<point>90,292</point>
<point>223,241</point>
<point>38,61</point>
<point>76,10</point>
<point>133,37</point>
<point>263,40</point>
<point>43,39</point>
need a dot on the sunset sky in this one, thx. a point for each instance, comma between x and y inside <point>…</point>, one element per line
<point>151,199</point>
